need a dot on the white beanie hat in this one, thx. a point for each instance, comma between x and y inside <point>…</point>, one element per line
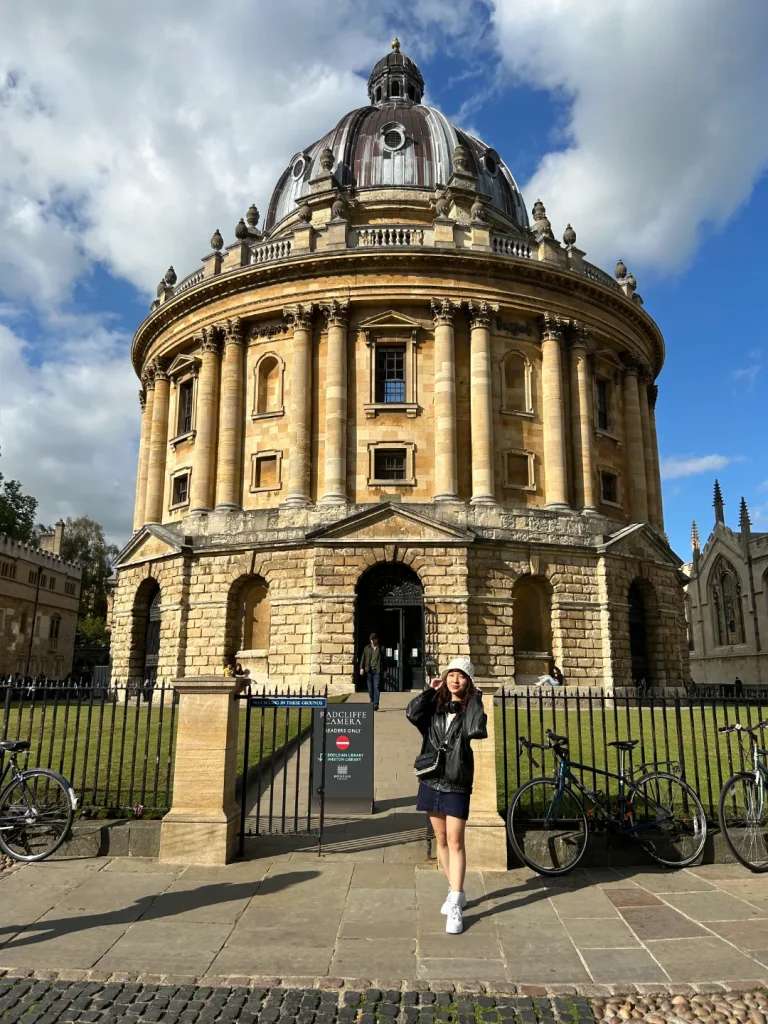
<point>463,665</point>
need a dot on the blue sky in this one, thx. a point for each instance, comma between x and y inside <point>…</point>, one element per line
<point>127,139</point>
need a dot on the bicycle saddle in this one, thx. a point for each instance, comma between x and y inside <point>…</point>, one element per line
<point>14,746</point>
<point>555,738</point>
<point>624,744</point>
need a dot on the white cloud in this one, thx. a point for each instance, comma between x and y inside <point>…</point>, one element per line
<point>675,467</point>
<point>746,376</point>
<point>663,134</point>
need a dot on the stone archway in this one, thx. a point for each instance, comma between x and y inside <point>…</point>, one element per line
<point>532,627</point>
<point>145,633</point>
<point>389,601</point>
<point>248,626</point>
<point>646,656</point>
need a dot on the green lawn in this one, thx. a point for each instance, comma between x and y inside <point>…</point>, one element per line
<point>117,756</point>
<point>687,736</point>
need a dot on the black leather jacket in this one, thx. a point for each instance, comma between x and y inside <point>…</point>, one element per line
<point>470,724</point>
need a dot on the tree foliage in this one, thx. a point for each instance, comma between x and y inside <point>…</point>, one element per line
<point>84,543</point>
<point>17,510</point>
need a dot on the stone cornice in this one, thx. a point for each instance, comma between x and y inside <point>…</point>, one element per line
<point>477,266</point>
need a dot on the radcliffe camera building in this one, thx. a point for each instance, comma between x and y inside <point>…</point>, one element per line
<point>399,405</point>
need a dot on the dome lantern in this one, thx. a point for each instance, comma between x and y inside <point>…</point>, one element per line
<point>395,78</point>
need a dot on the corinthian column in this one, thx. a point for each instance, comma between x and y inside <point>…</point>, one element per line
<point>481,404</point>
<point>229,458</point>
<point>158,445</point>
<point>581,418</point>
<point>446,476</point>
<point>635,456</point>
<point>146,397</point>
<point>653,394</point>
<point>206,424</point>
<point>556,493</point>
<point>335,485</point>
<point>650,469</point>
<point>300,406</point>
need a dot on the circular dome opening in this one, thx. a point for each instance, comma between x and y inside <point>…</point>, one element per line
<point>299,167</point>
<point>394,137</point>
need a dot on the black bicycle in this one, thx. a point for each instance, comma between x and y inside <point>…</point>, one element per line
<point>36,807</point>
<point>743,807</point>
<point>548,826</point>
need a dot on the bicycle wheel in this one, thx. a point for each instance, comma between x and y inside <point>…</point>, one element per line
<point>36,812</point>
<point>743,818</point>
<point>668,819</point>
<point>547,827</point>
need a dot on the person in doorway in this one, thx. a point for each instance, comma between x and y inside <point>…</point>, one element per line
<point>370,668</point>
<point>738,687</point>
<point>449,715</point>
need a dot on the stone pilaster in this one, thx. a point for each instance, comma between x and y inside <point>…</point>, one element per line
<point>581,419</point>
<point>556,491</point>
<point>481,404</point>
<point>300,408</point>
<point>650,467</point>
<point>146,398</point>
<point>158,445</point>
<point>446,474</point>
<point>231,412</point>
<point>201,498</point>
<point>653,394</point>
<point>335,485</point>
<point>485,837</point>
<point>635,456</point>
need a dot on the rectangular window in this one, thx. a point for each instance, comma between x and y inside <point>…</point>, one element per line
<point>518,469</point>
<point>184,424</point>
<point>389,464</point>
<point>52,583</point>
<point>32,576</point>
<point>390,374</point>
<point>603,404</point>
<point>266,472</point>
<point>8,570</point>
<point>609,488</point>
<point>69,588</point>
<point>180,494</point>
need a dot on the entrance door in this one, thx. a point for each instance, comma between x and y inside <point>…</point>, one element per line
<point>638,648</point>
<point>152,640</point>
<point>390,603</point>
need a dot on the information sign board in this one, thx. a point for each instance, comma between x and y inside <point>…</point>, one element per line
<point>348,757</point>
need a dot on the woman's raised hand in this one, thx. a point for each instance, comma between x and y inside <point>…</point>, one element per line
<point>436,683</point>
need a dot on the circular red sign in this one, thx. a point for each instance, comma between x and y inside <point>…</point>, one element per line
<point>342,742</point>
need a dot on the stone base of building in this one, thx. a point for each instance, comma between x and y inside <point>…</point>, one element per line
<point>485,840</point>
<point>200,840</point>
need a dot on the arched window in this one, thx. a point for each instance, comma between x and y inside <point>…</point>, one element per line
<point>394,89</point>
<point>516,384</point>
<point>268,379</point>
<point>248,616</point>
<point>727,610</point>
<point>145,634</point>
<point>532,616</point>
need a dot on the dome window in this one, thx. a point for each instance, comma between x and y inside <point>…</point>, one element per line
<point>394,137</point>
<point>491,162</point>
<point>298,168</point>
<point>394,89</point>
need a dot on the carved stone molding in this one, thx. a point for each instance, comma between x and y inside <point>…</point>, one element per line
<point>581,337</point>
<point>336,313</point>
<point>553,328</point>
<point>443,310</point>
<point>233,331</point>
<point>143,399</point>
<point>267,330</point>
<point>299,316</point>
<point>210,342</point>
<point>517,328</point>
<point>481,313</point>
<point>148,379</point>
<point>159,371</point>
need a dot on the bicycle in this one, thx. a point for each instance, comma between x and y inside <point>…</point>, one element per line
<point>742,810</point>
<point>548,827</point>
<point>37,806</point>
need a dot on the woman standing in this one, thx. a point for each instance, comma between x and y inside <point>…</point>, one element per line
<point>449,714</point>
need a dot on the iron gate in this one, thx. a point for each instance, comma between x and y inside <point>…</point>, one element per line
<point>280,793</point>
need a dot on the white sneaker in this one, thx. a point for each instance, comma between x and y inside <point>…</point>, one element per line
<point>460,900</point>
<point>454,922</point>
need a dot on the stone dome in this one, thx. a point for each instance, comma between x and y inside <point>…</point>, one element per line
<point>397,142</point>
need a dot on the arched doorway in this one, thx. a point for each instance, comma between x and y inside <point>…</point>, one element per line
<point>390,602</point>
<point>249,617</point>
<point>532,627</point>
<point>145,634</point>
<point>646,660</point>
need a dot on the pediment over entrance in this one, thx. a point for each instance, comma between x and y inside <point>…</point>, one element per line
<point>151,542</point>
<point>391,523</point>
<point>640,541</point>
<point>390,319</point>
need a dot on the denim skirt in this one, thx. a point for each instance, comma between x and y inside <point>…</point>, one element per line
<point>436,801</point>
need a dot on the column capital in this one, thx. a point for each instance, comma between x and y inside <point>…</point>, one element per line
<point>299,316</point>
<point>148,379</point>
<point>631,367</point>
<point>336,312</point>
<point>142,399</point>
<point>553,327</point>
<point>232,330</point>
<point>210,342</point>
<point>581,337</point>
<point>159,371</point>
<point>480,312</point>
<point>443,310</point>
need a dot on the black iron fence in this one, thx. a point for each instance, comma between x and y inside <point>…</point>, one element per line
<point>113,741</point>
<point>280,791</point>
<point>679,733</point>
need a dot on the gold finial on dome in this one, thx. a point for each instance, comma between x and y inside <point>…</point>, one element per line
<point>396,45</point>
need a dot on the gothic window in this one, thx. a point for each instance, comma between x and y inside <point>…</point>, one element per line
<point>390,374</point>
<point>727,611</point>
<point>8,570</point>
<point>516,384</point>
<point>268,387</point>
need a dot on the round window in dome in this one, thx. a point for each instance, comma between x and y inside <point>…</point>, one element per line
<point>491,162</point>
<point>394,137</point>
<point>299,167</point>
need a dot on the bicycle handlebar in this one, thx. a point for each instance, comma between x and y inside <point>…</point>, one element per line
<point>738,727</point>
